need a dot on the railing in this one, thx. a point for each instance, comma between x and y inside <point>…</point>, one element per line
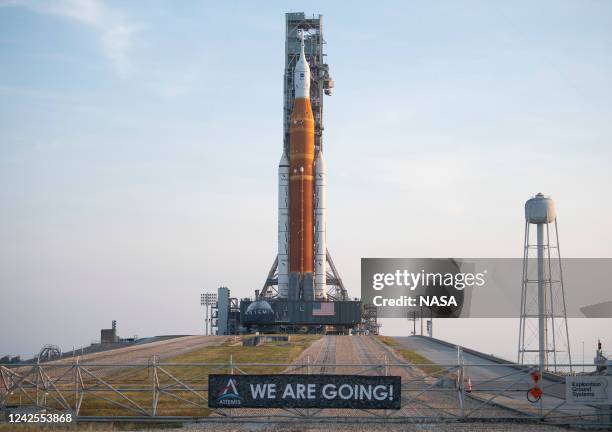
<point>162,392</point>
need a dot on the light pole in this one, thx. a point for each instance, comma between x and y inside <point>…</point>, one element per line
<point>582,356</point>
<point>207,300</point>
<point>421,318</point>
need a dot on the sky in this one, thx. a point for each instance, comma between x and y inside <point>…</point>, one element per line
<point>139,144</point>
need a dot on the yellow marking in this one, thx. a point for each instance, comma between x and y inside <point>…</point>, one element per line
<point>301,176</point>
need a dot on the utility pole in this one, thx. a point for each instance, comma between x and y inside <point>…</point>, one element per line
<point>582,356</point>
<point>421,320</point>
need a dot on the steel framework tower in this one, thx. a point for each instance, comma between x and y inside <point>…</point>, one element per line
<point>543,332</point>
<point>321,84</point>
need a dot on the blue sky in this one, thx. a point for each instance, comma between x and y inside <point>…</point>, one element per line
<point>139,144</point>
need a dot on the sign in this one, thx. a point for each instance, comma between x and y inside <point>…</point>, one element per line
<point>304,391</point>
<point>535,393</point>
<point>590,389</point>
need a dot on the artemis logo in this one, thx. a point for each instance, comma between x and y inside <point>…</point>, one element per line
<point>229,395</point>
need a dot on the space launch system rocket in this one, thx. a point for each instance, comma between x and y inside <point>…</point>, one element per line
<point>301,202</point>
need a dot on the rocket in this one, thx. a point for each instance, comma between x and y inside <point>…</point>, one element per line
<point>301,185</point>
<point>301,201</point>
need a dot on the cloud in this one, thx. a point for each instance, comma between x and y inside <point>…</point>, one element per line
<point>115,32</point>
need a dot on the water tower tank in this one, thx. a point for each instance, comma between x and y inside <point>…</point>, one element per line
<point>540,210</point>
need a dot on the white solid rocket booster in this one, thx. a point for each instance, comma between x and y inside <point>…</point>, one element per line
<point>283,226</point>
<point>320,185</point>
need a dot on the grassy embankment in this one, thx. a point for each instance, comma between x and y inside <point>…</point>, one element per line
<point>136,383</point>
<point>423,362</point>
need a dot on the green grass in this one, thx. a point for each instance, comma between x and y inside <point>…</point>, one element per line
<point>415,358</point>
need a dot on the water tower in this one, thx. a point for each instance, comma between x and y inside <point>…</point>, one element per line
<point>543,332</point>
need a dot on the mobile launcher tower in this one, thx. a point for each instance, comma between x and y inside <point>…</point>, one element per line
<point>303,290</point>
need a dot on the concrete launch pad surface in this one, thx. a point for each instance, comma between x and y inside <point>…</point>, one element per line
<point>330,352</point>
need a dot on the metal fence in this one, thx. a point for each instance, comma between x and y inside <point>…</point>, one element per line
<point>166,392</point>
